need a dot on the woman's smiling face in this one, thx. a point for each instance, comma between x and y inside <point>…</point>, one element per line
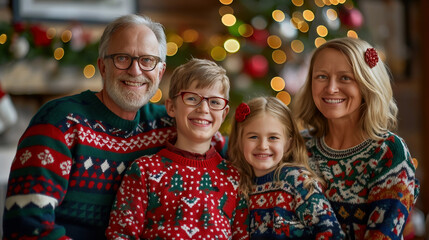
<point>335,91</point>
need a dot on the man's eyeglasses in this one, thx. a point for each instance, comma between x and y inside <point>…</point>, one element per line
<point>124,61</point>
<point>194,99</point>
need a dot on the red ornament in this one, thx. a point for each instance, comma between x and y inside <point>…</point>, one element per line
<point>40,36</point>
<point>256,66</point>
<point>259,37</point>
<point>351,18</point>
<point>371,57</point>
<point>241,112</point>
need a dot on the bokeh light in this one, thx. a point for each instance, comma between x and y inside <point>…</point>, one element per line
<point>190,35</point>
<point>297,46</point>
<point>308,15</point>
<point>59,53</point>
<point>298,3</point>
<point>245,30</point>
<point>228,20</point>
<point>218,53</point>
<point>66,36</point>
<point>89,71</point>
<point>278,15</point>
<point>331,14</point>
<point>352,34</point>
<point>274,41</point>
<point>319,41</point>
<point>51,33</point>
<point>284,97</point>
<point>231,45</point>
<point>157,97</point>
<point>279,56</point>
<point>172,49</point>
<point>322,30</point>
<point>225,2</point>
<point>277,83</point>
<point>3,38</point>
<point>225,10</point>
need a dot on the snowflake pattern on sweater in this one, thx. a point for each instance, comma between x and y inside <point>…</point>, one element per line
<point>169,196</point>
<point>372,186</point>
<point>286,210</point>
<point>69,165</point>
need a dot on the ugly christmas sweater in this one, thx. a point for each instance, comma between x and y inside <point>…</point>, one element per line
<point>172,195</point>
<point>69,165</point>
<point>286,210</point>
<point>372,186</point>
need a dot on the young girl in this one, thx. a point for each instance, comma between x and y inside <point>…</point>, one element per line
<point>284,196</point>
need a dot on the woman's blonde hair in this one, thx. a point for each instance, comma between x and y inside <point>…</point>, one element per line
<point>378,109</point>
<point>296,155</point>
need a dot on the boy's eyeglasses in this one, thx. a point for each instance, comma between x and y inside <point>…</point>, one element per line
<point>124,61</point>
<point>194,99</point>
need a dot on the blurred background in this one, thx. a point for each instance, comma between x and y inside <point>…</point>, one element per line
<point>49,49</point>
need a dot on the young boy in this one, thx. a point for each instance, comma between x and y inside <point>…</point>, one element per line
<point>185,191</point>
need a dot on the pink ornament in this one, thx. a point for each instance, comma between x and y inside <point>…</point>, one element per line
<point>351,18</point>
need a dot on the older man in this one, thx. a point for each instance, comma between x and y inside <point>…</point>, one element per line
<point>71,158</point>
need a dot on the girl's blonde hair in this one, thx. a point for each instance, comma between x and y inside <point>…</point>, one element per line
<point>378,109</point>
<point>296,155</point>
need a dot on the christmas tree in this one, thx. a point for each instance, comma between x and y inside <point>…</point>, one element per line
<point>266,43</point>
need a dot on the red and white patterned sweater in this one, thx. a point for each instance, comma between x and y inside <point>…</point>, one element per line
<point>172,196</point>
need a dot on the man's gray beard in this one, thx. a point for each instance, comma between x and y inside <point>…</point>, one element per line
<point>129,100</point>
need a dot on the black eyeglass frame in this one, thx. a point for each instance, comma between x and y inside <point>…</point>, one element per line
<point>182,94</point>
<point>112,56</point>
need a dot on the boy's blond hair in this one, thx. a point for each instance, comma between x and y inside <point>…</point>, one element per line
<point>207,73</point>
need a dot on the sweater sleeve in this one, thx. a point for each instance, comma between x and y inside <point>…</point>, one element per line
<point>37,184</point>
<point>392,191</point>
<point>128,211</point>
<point>315,211</point>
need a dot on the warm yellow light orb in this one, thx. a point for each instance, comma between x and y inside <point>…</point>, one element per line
<point>279,56</point>
<point>319,41</point>
<point>218,53</point>
<point>228,20</point>
<point>89,71</point>
<point>231,45</point>
<point>245,30</point>
<point>59,53</point>
<point>322,30</point>
<point>308,15</point>
<point>352,34</point>
<point>172,49</point>
<point>66,36</point>
<point>157,97</point>
<point>278,15</point>
<point>297,46</point>
<point>277,84</point>
<point>274,41</point>
<point>225,2</point>
<point>190,35</point>
<point>284,97</point>
<point>3,38</point>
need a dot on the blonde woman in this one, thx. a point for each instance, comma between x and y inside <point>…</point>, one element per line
<point>348,108</point>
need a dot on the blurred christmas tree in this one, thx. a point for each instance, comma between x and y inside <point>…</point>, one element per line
<point>268,42</point>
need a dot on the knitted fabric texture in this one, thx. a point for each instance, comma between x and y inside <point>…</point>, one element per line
<point>169,196</point>
<point>286,210</point>
<point>69,165</point>
<point>372,186</point>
